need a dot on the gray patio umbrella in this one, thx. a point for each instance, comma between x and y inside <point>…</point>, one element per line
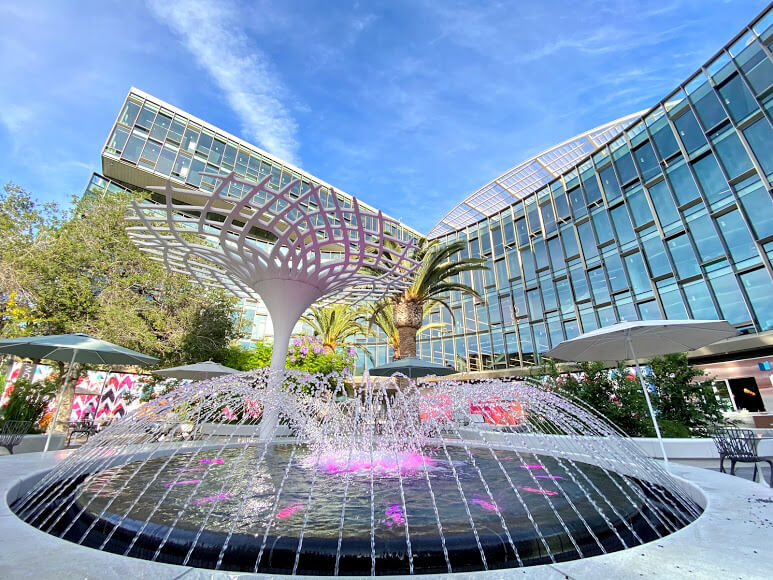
<point>73,348</point>
<point>197,371</point>
<point>412,368</point>
<point>645,339</point>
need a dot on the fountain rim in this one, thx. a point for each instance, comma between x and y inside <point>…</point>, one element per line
<point>29,470</point>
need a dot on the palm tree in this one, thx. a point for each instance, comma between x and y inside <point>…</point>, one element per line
<point>382,315</point>
<point>334,324</point>
<point>430,286</point>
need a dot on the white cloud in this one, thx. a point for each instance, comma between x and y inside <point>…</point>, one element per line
<point>212,33</point>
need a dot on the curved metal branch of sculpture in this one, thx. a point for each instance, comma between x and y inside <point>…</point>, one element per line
<point>315,249</point>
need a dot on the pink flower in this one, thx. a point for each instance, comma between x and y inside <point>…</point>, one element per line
<point>228,414</point>
<point>351,351</point>
<point>305,349</point>
<point>297,341</point>
<point>317,349</point>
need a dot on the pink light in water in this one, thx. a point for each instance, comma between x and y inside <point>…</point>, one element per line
<point>549,476</point>
<point>218,497</point>
<point>181,482</point>
<point>486,505</point>
<point>535,490</point>
<point>289,510</point>
<point>380,463</point>
<point>394,516</point>
<point>532,467</point>
<point>211,461</point>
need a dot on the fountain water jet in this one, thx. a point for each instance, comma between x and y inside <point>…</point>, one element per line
<point>394,480</point>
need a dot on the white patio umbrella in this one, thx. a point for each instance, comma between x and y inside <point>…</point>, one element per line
<point>197,371</point>
<point>73,348</point>
<point>643,339</point>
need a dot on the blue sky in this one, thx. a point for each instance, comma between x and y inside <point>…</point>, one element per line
<point>409,105</point>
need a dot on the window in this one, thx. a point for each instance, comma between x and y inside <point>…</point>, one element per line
<point>548,294</point>
<point>182,165</point>
<point>711,179</point>
<point>580,284</point>
<point>731,153</point>
<point>704,234</point>
<point>150,154</point>
<point>591,186</point>
<point>609,181</point>
<point>579,208</point>
<point>607,316</point>
<point>664,139</point>
<point>571,330</point>
<point>527,260</point>
<point>649,310</point>
<point>729,296</point>
<point>639,206</point>
<point>671,299</point>
<point>683,256</point>
<point>625,308</point>
<point>691,134</point>
<point>134,146</point>
<point>556,254</point>
<point>189,139</point>
<point>160,127</point>
<point>523,234</point>
<point>587,241</point>
<point>129,113</point>
<point>506,310</point>
<point>647,162</point>
<point>699,300</point>
<point>656,255</point>
<point>665,209</point>
<point>535,305</point>
<point>569,241</point>
<point>562,206</point>
<point>737,98</point>
<point>598,284</point>
<point>602,225</point>
<point>513,264</point>
<point>760,136</point>
<point>622,225</point>
<point>118,140</point>
<point>759,289</point>
<point>175,133</point>
<point>565,301</point>
<point>146,116</point>
<point>758,205</point>
<point>588,319</point>
<point>624,164</point>
<point>737,238</point>
<point>707,105</point>
<point>640,280</point>
<point>682,182</point>
<point>617,280</point>
<point>756,67</point>
<point>194,175</point>
<point>216,153</point>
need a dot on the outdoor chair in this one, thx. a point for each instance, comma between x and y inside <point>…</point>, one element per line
<point>11,433</point>
<point>87,427</point>
<point>739,446</point>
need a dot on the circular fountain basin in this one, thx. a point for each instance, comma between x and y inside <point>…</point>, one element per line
<point>280,509</point>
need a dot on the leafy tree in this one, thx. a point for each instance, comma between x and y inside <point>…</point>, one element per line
<point>79,272</point>
<point>436,276</point>
<point>681,399</point>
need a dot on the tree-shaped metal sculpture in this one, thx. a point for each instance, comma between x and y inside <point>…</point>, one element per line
<point>293,247</point>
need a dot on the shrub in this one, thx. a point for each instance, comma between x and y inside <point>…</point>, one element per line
<point>28,401</point>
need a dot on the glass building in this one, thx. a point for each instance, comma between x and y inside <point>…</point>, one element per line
<point>664,214</point>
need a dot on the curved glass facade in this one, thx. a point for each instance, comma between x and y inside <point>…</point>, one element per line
<point>673,218</point>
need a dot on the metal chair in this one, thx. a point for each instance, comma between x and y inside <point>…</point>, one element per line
<point>739,445</point>
<point>12,432</point>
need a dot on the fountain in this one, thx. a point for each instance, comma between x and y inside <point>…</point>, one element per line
<point>397,478</point>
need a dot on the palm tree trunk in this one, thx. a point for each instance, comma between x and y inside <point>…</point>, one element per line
<point>408,316</point>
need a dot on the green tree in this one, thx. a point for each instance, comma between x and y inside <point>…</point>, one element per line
<point>437,275</point>
<point>80,272</point>
<point>683,400</point>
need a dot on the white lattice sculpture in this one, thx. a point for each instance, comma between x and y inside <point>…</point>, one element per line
<point>320,251</point>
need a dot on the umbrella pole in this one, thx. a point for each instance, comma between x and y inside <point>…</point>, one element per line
<point>52,425</point>
<point>649,403</point>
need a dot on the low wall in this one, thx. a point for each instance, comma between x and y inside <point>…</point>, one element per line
<point>693,451</point>
<point>226,430</point>
<point>35,443</point>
